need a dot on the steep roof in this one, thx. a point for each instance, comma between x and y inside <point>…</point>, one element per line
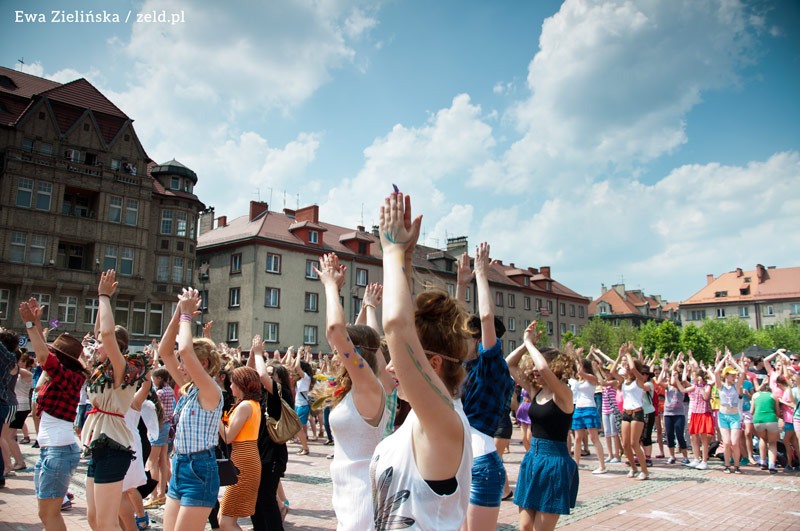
<point>757,284</point>
<point>26,84</point>
<point>83,94</point>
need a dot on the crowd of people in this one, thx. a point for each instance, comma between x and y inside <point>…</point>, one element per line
<point>418,406</point>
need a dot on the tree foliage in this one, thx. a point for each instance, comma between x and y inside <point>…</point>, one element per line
<point>732,333</point>
<point>693,339</point>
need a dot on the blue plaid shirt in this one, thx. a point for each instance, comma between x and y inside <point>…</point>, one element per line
<point>487,389</point>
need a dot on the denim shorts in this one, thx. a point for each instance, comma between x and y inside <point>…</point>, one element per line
<point>108,465</point>
<point>610,424</point>
<point>53,470</point>
<point>729,421</point>
<point>488,480</point>
<point>163,435</point>
<point>302,412</point>
<point>195,479</point>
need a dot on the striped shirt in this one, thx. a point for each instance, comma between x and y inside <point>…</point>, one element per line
<point>696,403</point>
<point>609,400</point>
<point>167,398</point>
<point>198,429</point>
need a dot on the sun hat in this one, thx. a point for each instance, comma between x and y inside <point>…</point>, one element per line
<point>68,350</point>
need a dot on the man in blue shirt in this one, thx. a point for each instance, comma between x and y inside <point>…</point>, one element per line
<point>9,342</point>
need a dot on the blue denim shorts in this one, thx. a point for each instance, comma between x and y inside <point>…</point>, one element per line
<point>163,435</point>
<point>729,421</point>
<point>488,480</point>
<point>302,412</point>
<point>53,470</point>
<point>195,479</point>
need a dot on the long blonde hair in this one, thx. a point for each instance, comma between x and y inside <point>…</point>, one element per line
<point>205,349</point>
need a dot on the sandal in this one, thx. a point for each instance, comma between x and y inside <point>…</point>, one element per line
<point>642,477</point>
<point>631,474</point>
<point>143,522</point>
<point>302,452</point>
<point>508,496</point>
<point>584,454</point>
<point>284,510</point>
<point>727,470</point>
<point>736,470</point>
<point>26,440</point>
<point>158,501</point>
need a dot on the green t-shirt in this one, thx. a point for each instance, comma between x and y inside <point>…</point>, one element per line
<point>764,408</point>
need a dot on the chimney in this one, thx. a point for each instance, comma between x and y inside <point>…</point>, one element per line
<point>761,273</point>
<point>257,208</point>
<point>709,279</point>
<point>222,221</point>
<point>309,213</point>
<point>361,228</point>
<point>619,288</point>
<point>206,221</point>
<point>603,289</point>
<point>545,271</point>
<point>376,231</point>
<point>533,270</point>
<point>289,213</point>
<point>457,245</point>
<point>511,265</point>
<point>739,272</point>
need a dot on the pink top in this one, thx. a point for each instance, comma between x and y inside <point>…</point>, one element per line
<point>609,400</point>
<point>696,402</point>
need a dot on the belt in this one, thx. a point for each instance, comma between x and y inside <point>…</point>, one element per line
<point>632,411</point>
<point>98,410</point>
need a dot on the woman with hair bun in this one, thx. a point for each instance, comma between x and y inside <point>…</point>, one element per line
<point>239,427</point>
<point>194,485</point>
<point>421,473</point>
<point>547,485</point>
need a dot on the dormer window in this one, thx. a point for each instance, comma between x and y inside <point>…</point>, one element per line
<point>719,294</point>
<point>313,236</point>
<point>175,183</point>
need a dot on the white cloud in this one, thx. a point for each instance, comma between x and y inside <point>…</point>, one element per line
<point>612,84</point>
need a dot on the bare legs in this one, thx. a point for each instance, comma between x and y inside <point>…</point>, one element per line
<point>631,435</point>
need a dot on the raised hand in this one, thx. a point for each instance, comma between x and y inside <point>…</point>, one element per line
<point>396,226</point>
<point>108,283</point>
<point>464,273</point>
<point>207,329</point>
<point>331,271</point>
<point>373,295</point>
<point>257,347</point>
<point>531,334</point>
<point>482,260</point>
<point>189,301</point>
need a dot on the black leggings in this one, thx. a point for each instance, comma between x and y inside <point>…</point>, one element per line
<point>647,432</point>
<point>268,514</point>
<point>675,426</point>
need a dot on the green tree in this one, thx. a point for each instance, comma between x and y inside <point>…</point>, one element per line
<point>622,334</point>
<point>733,333</point>
<point>568,336</point>
<point>648,337</point>
<point>597,332</point>
<point>668,338</point>
<point>694,339</point>
<point>762,338</point>
<point>785,335</point>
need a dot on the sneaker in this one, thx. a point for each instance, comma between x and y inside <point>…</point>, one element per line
<point>598,471</point>
<point>613,460</point>
<point>648,461</point>
<point>702,466</point>
<point>35,444</point>
<point>773,470</point>
<point>67,505</point>
<point>671,461</point>
<point>692,464</point>
<point>685,462</point>
<point>642,476</point>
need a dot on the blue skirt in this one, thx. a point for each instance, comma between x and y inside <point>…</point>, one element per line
<point>548,478</point>
<point>584,418</point>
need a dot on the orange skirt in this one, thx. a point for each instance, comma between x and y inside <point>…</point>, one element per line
<point>240,500</point>
<point>701,424</point>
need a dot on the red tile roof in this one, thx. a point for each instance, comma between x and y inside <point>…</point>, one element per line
<point>83,94</point>
<point>776,284</point>
<point>632,302</point>
<point>160,190</point>
<point>27,85</point>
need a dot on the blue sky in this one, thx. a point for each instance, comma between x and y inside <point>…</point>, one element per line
<point>655,141</point>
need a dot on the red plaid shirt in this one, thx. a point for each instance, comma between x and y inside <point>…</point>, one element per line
<point>60,395</point>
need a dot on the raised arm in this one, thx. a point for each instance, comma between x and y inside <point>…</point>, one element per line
<point>209,394</point>
<point>166,349</point>
<point>513,360</point>
<point>367,391</point>
<point>142,392</point>
<point>464,276</point>
<point>105,318</point>
<point>485,301</point>
<point>368,315</point>
<point>256,361</point>
<point>30,311</point>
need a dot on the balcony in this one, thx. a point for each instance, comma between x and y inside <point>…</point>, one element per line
<point>17,159</point>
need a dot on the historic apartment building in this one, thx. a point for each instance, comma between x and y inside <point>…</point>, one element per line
<point>258,278</point>
<point>78,194</point>
<point>762,297</point>
<point>619,305</point>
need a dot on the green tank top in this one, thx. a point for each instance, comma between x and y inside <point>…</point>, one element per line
<point>764,407</point>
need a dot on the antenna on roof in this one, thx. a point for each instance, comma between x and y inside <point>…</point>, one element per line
<point>622,279</point>
<point>21,61</point>
<point>270,195</point>
<point>298,201</point>
<point>362,217</point>
<point>258,194</point>
<point>424,237</point>
<point>284,199</point>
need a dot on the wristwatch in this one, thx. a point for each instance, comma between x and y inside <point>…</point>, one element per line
<point>28,324</point>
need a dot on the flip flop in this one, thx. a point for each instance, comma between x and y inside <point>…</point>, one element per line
<point>508,496</point>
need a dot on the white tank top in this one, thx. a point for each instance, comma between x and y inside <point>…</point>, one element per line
<point>23,392</point>
<point>584,394</point>
<point>402,495</point>
<point>355,443</point>
<point>632,396</point>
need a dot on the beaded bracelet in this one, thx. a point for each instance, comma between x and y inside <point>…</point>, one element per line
<point>187,317</point>
<point>367,305</point>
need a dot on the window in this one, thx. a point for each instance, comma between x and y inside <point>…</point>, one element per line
<point>166,222</point>
<point>233,332</point>
<point>189,272</point>
<point>177,270</point>
<point>720,294</point>
<point>511,300</point>
<point>580,312</point>
<point>110,258</point>
<point>273,263</point>
<point>139,316</point>
<point>131,212</point>
<point>550,306</point>
<point>27,145</point>
<point>5,294</point>
<point>563,328</point>
<point>361,277</point>
<point>362,247</point>
<point>527,323</point>
<point>122,312</point>
<point>769,311</point>
<point>526,303</point>
<point>451,290</point>
<point>468,294</point>
<point>550,328</point>
<point>572,310</point>
<point>126,262</point>
<point>181,216</point>
<point>309,335</point>
<point>795,309</point>
<point>162,269</point>
<point>192,234</point>
<point>156,319</point>
<point>115,209</point>
<point>744,311</point>
<point>19,242</point>
<point>562,308</point>
<point>697,315</point>
<point>233,298</point>
<point>236,263</point>
<point>175,183</point>
<point>90,307</point>
<point>310,265</point>
<point>511,345</point>
<point>312,302</point>
<point>44,194</point>
<point>270,332</point>
<point>204,300</point>
<point>44,302</point>
<point>512,324</point>
<point>538,304</point>
<point>272,298</point>
<point>357,305</point>
<point>45,149</point>
<point>67,309</point>
<point>313,236</point>
<point>498,299</point>
<point>36,254</point>
<point>24,192</point>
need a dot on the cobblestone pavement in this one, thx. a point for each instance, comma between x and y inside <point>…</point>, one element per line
<point>674,497</point>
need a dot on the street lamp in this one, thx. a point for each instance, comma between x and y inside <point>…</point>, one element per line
<point>202,271</point>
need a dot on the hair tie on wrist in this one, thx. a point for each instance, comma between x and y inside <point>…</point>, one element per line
<point>104,295</point>
<point>367,305</point>
<point>187,317</point>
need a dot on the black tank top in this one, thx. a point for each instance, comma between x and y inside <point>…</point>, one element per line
<point>548,421</point>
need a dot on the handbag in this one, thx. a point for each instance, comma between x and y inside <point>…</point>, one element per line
<point>228,472</point>
<point>284,428</point>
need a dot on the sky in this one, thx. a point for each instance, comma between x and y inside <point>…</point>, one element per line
<point>651,142</point>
